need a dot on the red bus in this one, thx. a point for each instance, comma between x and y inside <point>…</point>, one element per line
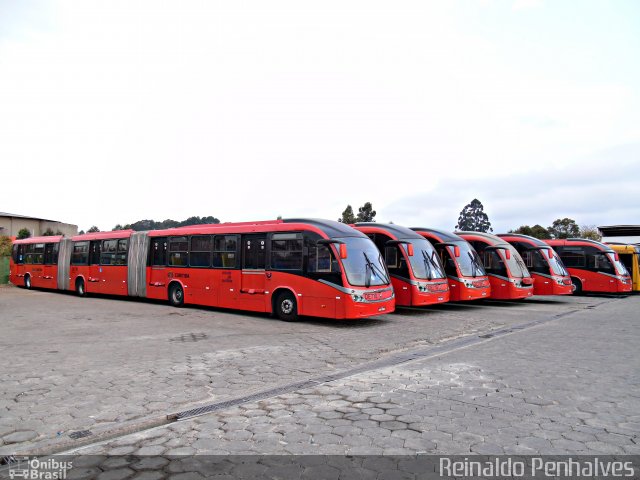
<point>550,277</point>
<point>34,262</point>
<point>507,272</point>
<point>286,267</point>
<point>417,275</point>
<point>593,266</point>
<point>464,269</point>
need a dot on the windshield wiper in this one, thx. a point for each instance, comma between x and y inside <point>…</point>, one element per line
<point>474,265</point>
<point>370,265</point>
<point>523,267</point>
<point>436,265</point>
<point>427,265</point>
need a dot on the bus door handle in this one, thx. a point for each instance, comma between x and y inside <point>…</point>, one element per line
<point>91,279</point>
<point>156,284</point>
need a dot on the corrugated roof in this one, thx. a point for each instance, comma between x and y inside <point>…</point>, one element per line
<point>5,214</point>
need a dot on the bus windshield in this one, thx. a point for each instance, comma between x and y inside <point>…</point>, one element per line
<point>516,266</point>
<point>469,263</point>
<point>364,265</point>
<point>619,266</point>
<point>556,264</point>
<point>425,262</point>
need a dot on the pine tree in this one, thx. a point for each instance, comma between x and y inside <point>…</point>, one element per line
<point>366,213</point>
<point>347,216</point>
<point>473,219</point>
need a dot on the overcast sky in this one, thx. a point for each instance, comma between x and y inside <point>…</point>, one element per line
<point>116,111</point>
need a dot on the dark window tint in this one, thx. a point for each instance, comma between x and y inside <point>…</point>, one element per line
<point>254,251</point>
<point>448,261</point>
<point>200,253</point>
<point>322,260</point>
<point>121,252</point>
<point>80,254</point>
<point>158,252</point>
<point>94,252</point>
<point>225,248</point>
<point>108,253</point>
<point>51,254</point>
<point>178,251</point>
<point>17,254</point>
<point>286,251</point>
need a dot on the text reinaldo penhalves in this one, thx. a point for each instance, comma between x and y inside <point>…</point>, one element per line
<point>535,466</point>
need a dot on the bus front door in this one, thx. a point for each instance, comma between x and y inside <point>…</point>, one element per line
<point>253,281</point>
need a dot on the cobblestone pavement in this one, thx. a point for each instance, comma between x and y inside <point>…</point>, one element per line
<point>571,385</point>
<point>71,364</point>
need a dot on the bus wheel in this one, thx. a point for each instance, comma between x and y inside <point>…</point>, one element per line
<point>27,282</point>
<point>577,286</point>
<point>176,295</point>
<point>80,291</point>
<point>286,307</point>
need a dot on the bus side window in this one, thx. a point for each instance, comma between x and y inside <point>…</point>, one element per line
<point>391,256</point>
<point>17,253</point>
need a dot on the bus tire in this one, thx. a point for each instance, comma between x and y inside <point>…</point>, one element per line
<point>578,286</point>
<point>27,282</point>
<point>286,307</point>
<point>80,288</point>
<point>176,295</point>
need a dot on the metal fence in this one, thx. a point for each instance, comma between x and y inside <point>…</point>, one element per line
<point>4,270</point>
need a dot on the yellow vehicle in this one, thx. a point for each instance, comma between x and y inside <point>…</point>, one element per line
<point>630,257</point>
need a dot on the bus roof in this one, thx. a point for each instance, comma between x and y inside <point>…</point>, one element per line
<point>527,238</point>
<point>396,230</point>
<point>564,242</point>
<point>490,238</point>
<point>41,239</point>
<point>102,235</point>
<point>442,234</point>
<point>623,247</point>
<point>330,228</point>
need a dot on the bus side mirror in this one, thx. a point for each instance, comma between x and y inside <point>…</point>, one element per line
<point>508,254</point>
<point>456,251</point>
<point>343,250</point>
<point>410,249</point>
<point>550,253</point>
<point>616,256</point>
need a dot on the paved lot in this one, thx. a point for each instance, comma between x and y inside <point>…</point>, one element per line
<point>109,365</point>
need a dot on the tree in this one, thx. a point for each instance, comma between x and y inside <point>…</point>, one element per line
<point>537,231</point>
<point>366,213</point>
<point>564,228</point>
<point>347,216</point>
<point>48,232</point>
<point>590,232</point>
<point>93,229</point>
<point>23,233</point>
<point>5,246</point>
<point>473,219</point>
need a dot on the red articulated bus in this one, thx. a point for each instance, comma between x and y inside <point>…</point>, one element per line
<point>593,266</point>
<point>417,275</point>
<point>34,262</point>
<point>287,267</point>
<point>550,277</point>
<point>464,269</point>
<point>507,272</point>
